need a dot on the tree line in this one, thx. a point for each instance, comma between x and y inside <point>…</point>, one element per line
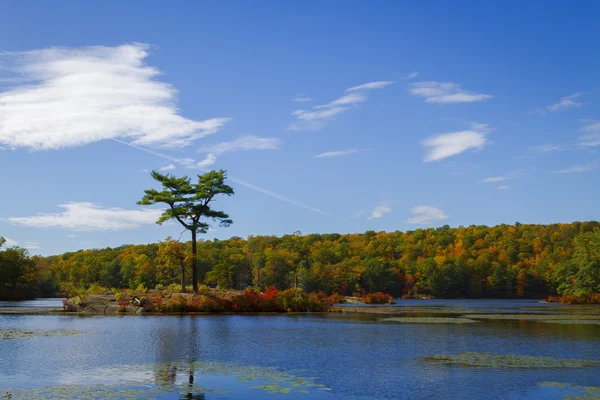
<point>503,261</point>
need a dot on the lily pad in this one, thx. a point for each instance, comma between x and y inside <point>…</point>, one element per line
<point>15,333</point>
<point>575,392</point>
<point>428,320</point>
<point>491,360</point>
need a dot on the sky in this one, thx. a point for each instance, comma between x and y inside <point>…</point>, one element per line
<point>328,116</point>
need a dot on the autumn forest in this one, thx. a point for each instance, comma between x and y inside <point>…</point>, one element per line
<point>503,261</point>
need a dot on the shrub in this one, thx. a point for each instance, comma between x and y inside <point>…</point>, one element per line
<point>249,301</point>
<point>336,298</point>
<point>378,298</point>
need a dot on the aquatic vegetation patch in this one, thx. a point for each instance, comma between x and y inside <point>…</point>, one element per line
<point>491,360</point>
<point>575,392</point>
<point>428,320</point>
<point>572,321</point>
<point>536,317</point>
<point>565,319</point>
<point>164,379</point>
<point>17,333</point>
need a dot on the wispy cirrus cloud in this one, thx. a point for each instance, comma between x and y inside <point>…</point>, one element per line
<point>591,136</point>
<point>412,75</point>
<point>76,96</point>
<point>576,169</point>
<point>503,187</point>
<point>453,143</point>
<point>316,118</point>
<point>445,92</point>
<point>87,217</point>
<point>210,159</point>
<point>302,98</point>
<point>370,85</point>
<point>338,153</point>
<point>244,143</point>
<point>546,148</point>
<point>425,215</point>
<point>32,245</point>
<point>506,177</point>
<point>166,168</point>
<point>569,101</point>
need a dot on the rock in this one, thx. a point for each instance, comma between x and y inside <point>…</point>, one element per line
<point>93,308</point>
<point>112,309</point>
<point>187,296</point>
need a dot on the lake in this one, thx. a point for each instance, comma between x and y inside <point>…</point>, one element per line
<point>318,356</point>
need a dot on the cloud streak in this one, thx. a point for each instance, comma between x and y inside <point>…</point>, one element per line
<point>88,217</point>
<point>450,144</point>
<point>339,153</point>
<point>425,215</point>
<point>506,177</point>
<point>576,169</point>
<point>591,137</point>
<point>190,163</point>
<point>445,92</point>
<point>76,96</point>
<point>563,104</point>
<point>317,118</point>
<point>244,143</point>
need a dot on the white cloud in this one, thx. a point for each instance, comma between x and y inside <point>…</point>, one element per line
<point>32,245</point>
<point>575,169</point>
<point>85,216</point>
<point>302,98</point>
<point>453,143</point>
<point>72,236</point>
<point>370,85</point>
<point>591,138</point>
<point>244,143</point>
<point>562,104</point>
<point>380,210</point>
<point>445,92</point>
<point>412,75</point>
<point>76,96</point>
<point>169,167</point>
<point>506,177</point>
<point>9,242</point>
<point>546,148</point>
<point>331,154</point>
<point>346,100</point>
<point>426,215</point>
<point>503,187</point>
<point>208,161</point>
<point>317,117</point>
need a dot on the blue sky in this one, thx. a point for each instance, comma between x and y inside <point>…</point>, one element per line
<point>328,116</point>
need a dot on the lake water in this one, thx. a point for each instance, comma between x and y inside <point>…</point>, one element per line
<point>319,356</point>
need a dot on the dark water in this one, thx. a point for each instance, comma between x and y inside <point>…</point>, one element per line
<point>37,303</point>
<point>345,357</point>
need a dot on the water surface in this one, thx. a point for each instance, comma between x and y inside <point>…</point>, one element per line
<point>319,356</point>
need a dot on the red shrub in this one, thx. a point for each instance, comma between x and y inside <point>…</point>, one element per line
<point>378,298</point>
<point>336,298</point>
<point>595,299</point>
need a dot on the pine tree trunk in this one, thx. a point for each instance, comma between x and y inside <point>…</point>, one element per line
<point>182,276</point>
<point>194,263</point>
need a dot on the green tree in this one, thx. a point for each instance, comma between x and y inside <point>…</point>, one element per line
<point>190,202</point>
